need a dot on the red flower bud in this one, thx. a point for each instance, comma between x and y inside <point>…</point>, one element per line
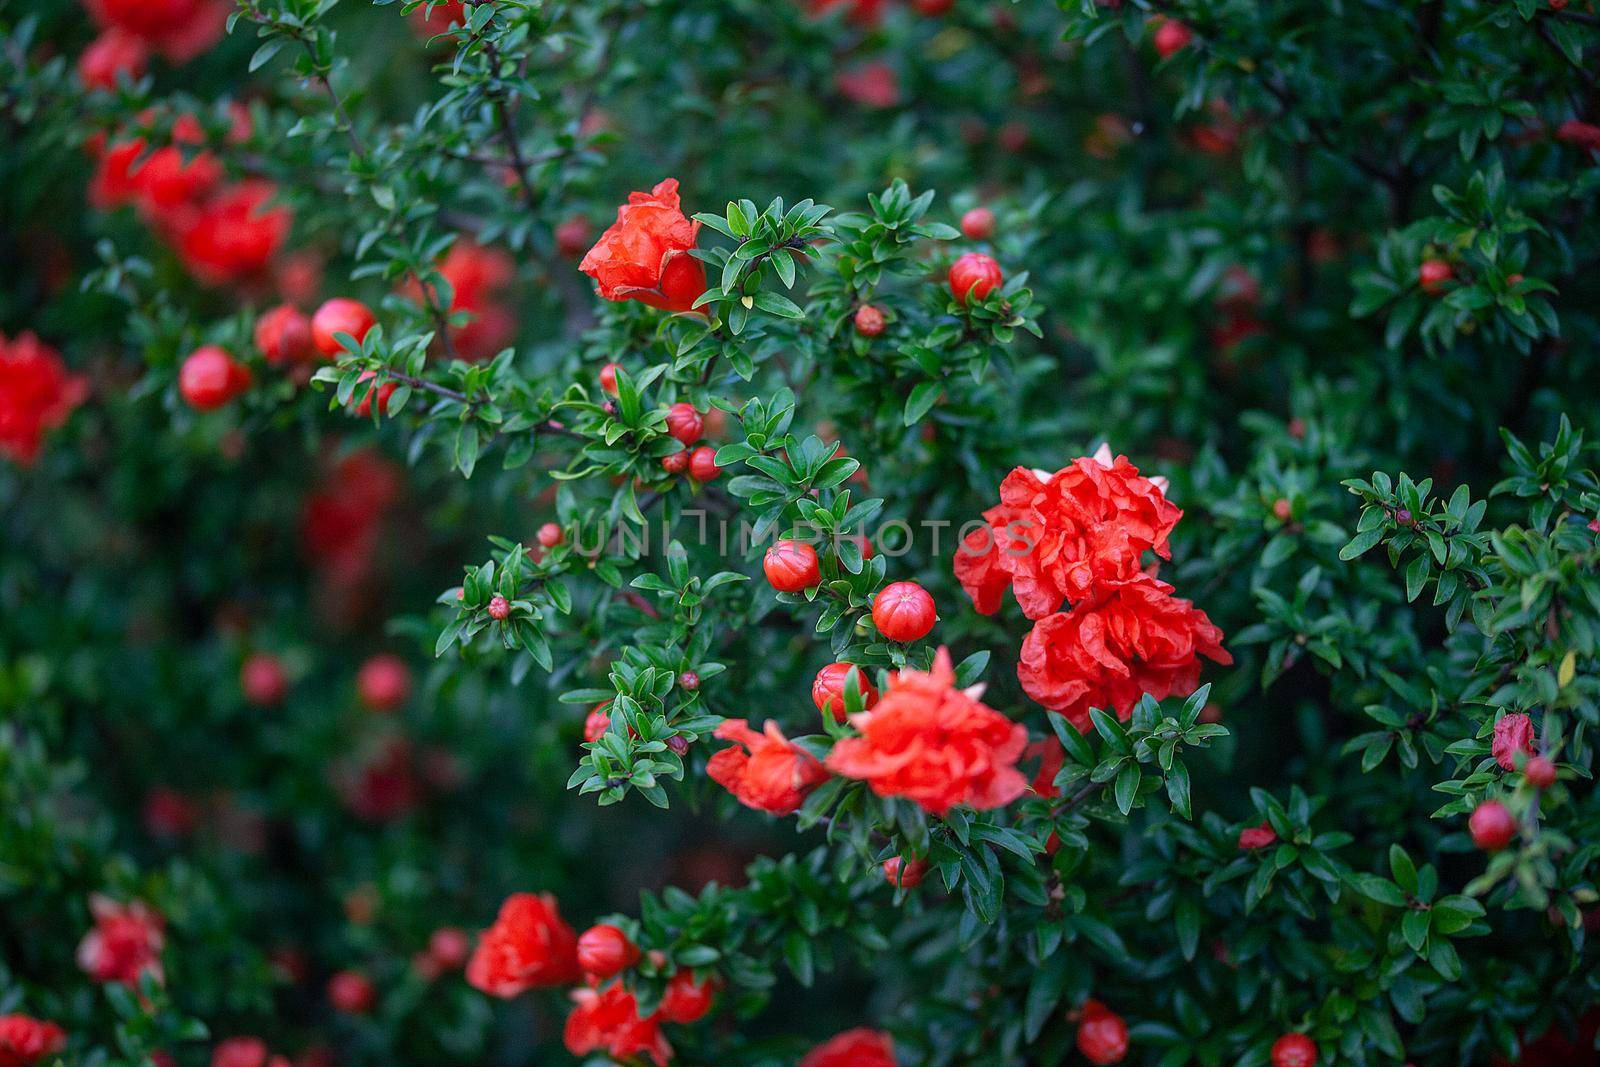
<point>675,462</point>
<point>1171,37</point>
<point>1282,510</point>
<point>703,464</point>
<point>604,951</point>
<point>1294,1050</point>
<point>685,423</point>
<point>904,874</point>
<point>978,224</point>
<point>352,993</point>
<point>792,566</point>
<point>1102,1035</point>
<point>1433,274</point>
<point>550,535</point>
<point>384,683</point>
<point>381,393</point>
<point>608,377</point>
<point>449,947</point>
<point>499,608</point>
<point>1254,837</point>
<point>903,611</point>
<point>827,690</point>
<point>1540,772</point>
<point>339,315</point>
<point>689,681</point>
<point>1491,826</point>
<point>283,335</point>
<point>263,680</point>
<point>869,321</point>
<point>685,1000</point>
<point>210,378</point>
<point>974,276</point>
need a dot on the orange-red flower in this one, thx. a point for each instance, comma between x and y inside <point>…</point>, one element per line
<point>1133,638</point>
<point>766,771</point>
<point>860,1047</point>
<point>529,945</point>
<point>935,744</point>
<point>608,1020</point>
<point>24,1040</point>
<point>36,395</point>
<point>644,256</point>
<point>125,943</point>
<point>1055,537</point>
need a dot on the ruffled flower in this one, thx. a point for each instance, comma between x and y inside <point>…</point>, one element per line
<point>529,945</point>
<point>1134,638</point>
<point>765,771</point>
<point>934,744</point>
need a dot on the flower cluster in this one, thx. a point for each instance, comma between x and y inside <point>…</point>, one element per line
<point>530,946</point>
<point>36,395</point>
<point>1080,537</point>
<point>223,232</point>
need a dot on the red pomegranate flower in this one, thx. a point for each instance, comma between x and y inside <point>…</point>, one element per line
<point>24,1040</point>
<point>179,29</point>
<point>36,395</point>
<point>1513,734</point>
<point>1055,537</point>
<point>764,771</point>
<point>125,943</point>
<point>608,1020</point>
<point>235,235</point>
<point>644,256</point>
<point>1134,638</point>
<point>935,744</point>
<point>528,946</point>
<point>860,1047</point>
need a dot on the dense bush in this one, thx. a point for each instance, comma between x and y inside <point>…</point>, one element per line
<point>427,615</point>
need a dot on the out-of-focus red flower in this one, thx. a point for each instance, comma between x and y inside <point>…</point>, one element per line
<point>1582,134</point>
<point>861,1047</point>
<point>36,395</point>
<point>477,274</point>
<point>1513,734</point>
<point>867,13</point>
<point>168,813</point>
<point>1135,637</point>
<point>179,29</point>
<point>124,944</point>
<point>608,1020</point>
<point>645,256</point>
<point>935,744</point>
<point>1055,537</point>
<point>115,52</point>
<point>765,771</point>
<point>24,1040</point>
<point>245,1052</point>
<point>385,787</point>
<point>528,946</point>
<point>235,235</point>
<point>340,525</point>
<point>873,84</point>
